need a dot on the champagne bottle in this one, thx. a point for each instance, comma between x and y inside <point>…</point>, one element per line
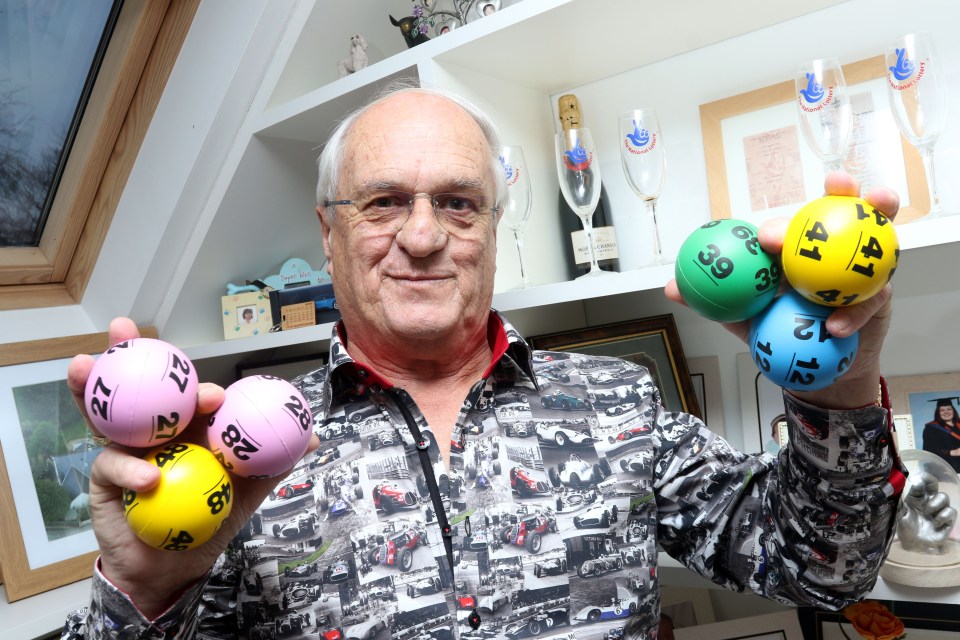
<point>577,256</point>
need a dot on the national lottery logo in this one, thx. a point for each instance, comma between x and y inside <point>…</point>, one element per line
<point>640,141</point>
<point>511,173</point>
<point>814,95</point>
<point>577,158</point>
<point>901,72</point>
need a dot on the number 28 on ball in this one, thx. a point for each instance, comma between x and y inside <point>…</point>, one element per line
<point>839,251</point>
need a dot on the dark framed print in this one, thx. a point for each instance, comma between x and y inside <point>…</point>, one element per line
<point>921,621</point>
<point>286,368</point>
<point>651,342</point>
<point>46,539</point>
<point>770,626</point>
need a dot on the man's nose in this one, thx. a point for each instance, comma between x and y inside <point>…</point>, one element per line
<point>422,233</point>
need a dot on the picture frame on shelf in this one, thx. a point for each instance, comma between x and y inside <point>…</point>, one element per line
<point>287,368</point>
<point>651,342</point>
<point>921,621</point>
<point>705,375</point>
<point>913,399</point>
<point>44,544</point>
<point>782,625</point>
<point>759,166</point>
<point>761,406</point>
<point>485,8</point>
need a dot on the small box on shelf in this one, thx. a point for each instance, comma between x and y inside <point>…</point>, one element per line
<point>304,306</point>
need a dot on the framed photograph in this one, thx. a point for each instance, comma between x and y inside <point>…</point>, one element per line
<point>761,405</point>
<point>487,7</point>
<point>705,375</point>
<point>46,539</point>
<point>759,166</point>
<point>651,342</point>
<point>921,621</point>
<point>286,368</point>
<point>772,626</point>
<point>922,406</point>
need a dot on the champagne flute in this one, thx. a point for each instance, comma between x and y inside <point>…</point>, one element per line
<point>918,99</point>
<point>826,116</point>
<point>644,163</point>
<point>516,211</point>
<point>579,175</point>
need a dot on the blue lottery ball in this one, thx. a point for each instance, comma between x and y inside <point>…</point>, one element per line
<point>791,346</point>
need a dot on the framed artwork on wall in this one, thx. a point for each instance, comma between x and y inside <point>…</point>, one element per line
<point>46,539</point>
<point>770,626</point>
<point>759,166</point>
<point>926,409</point>
<point>651,342</point>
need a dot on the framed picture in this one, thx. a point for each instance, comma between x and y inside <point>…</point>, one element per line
<point>686,606</point>
<point>286,368</point>
<point>651,342</point>
<point>761,405</point>
<point>917,402</point>
<point>705,375</point>
<point>759,166</point>
<point>921,621</point>
<point>46,539</point>
<point>772,626</point>
<point>487,7</point>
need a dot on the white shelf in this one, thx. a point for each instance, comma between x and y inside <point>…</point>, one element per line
<point>41,614</point>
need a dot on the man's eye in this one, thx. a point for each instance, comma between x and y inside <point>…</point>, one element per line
<point>457,204</point>
<point>384,202</point>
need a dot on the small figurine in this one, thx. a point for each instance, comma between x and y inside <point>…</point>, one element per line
<point>411,34</point>
<point>358,56</point>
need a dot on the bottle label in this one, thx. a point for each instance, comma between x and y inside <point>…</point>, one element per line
<point>604,245</point>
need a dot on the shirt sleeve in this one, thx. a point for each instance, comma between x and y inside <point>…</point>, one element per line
<point>810,526</point>
<point>205,610</point>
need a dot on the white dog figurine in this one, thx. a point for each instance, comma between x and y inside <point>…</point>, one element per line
<point>358,56</point>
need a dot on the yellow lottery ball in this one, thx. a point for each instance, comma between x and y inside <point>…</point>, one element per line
<point>839,251</point>
<point>187,507</point>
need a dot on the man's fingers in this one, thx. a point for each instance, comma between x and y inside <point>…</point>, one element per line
<point>884,200</point>
<point>122,329</point>
<point>114,467</point>
<point>209,397</point>
<point>846,320</point>
<point>838,183</point>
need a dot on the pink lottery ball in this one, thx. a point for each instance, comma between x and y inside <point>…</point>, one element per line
<point>262,428</point>
<point>141,392</point>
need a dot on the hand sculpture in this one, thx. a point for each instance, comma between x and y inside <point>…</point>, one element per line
<point>926,517</point>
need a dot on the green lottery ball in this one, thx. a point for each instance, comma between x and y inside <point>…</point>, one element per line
<point>790,343</point>
<point>722,272</point>
<point>839,251</point>
<point>188,505</point>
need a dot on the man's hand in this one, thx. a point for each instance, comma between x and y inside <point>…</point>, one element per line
<point>153,578</point>
<point>858,387</point>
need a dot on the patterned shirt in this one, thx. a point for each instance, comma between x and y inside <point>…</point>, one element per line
<point>566,476</point>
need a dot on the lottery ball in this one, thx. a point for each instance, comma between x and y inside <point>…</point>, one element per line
<point>262,428</point>
<point>189,504</point>
<point>141,392</point>
<point>722,272</point>
<point>790,343</point>
<point>839,251</point>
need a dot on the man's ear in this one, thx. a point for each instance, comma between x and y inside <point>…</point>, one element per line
<point>325,230</point>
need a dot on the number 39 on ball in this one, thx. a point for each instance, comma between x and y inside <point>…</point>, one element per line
<point>839,251</point>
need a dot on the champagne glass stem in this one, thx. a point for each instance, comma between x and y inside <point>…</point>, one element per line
<point>588,232</point>
<point>833,166</point>
<point>926,156</point>
<point>657,245</point>
<point>524,276</point>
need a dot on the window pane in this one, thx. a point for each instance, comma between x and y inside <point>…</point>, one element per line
<point>49,54</point>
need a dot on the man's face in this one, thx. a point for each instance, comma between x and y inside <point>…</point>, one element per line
<point>424,281</point>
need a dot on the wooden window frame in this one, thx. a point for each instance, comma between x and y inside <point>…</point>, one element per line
<point>142,51</point>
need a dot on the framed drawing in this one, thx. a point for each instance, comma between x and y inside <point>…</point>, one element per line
<point>921,621</point>
<point>652,342</point>
<point>46,540</point>
<point>772,626</point>
<point>759,166</point>
<point>922,407</point>
<point>286,368</point>
<point>761,405</point>
<point>705,375</point>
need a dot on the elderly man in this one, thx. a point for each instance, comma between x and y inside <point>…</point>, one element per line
<point>445,504</point>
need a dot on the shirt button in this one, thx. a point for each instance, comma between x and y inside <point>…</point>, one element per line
<point>474,619</point>
<point>423,444</point>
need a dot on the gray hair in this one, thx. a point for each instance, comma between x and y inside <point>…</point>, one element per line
<point>331,158</point>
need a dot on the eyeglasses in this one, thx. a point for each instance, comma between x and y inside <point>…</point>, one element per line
<point>391,209</point>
